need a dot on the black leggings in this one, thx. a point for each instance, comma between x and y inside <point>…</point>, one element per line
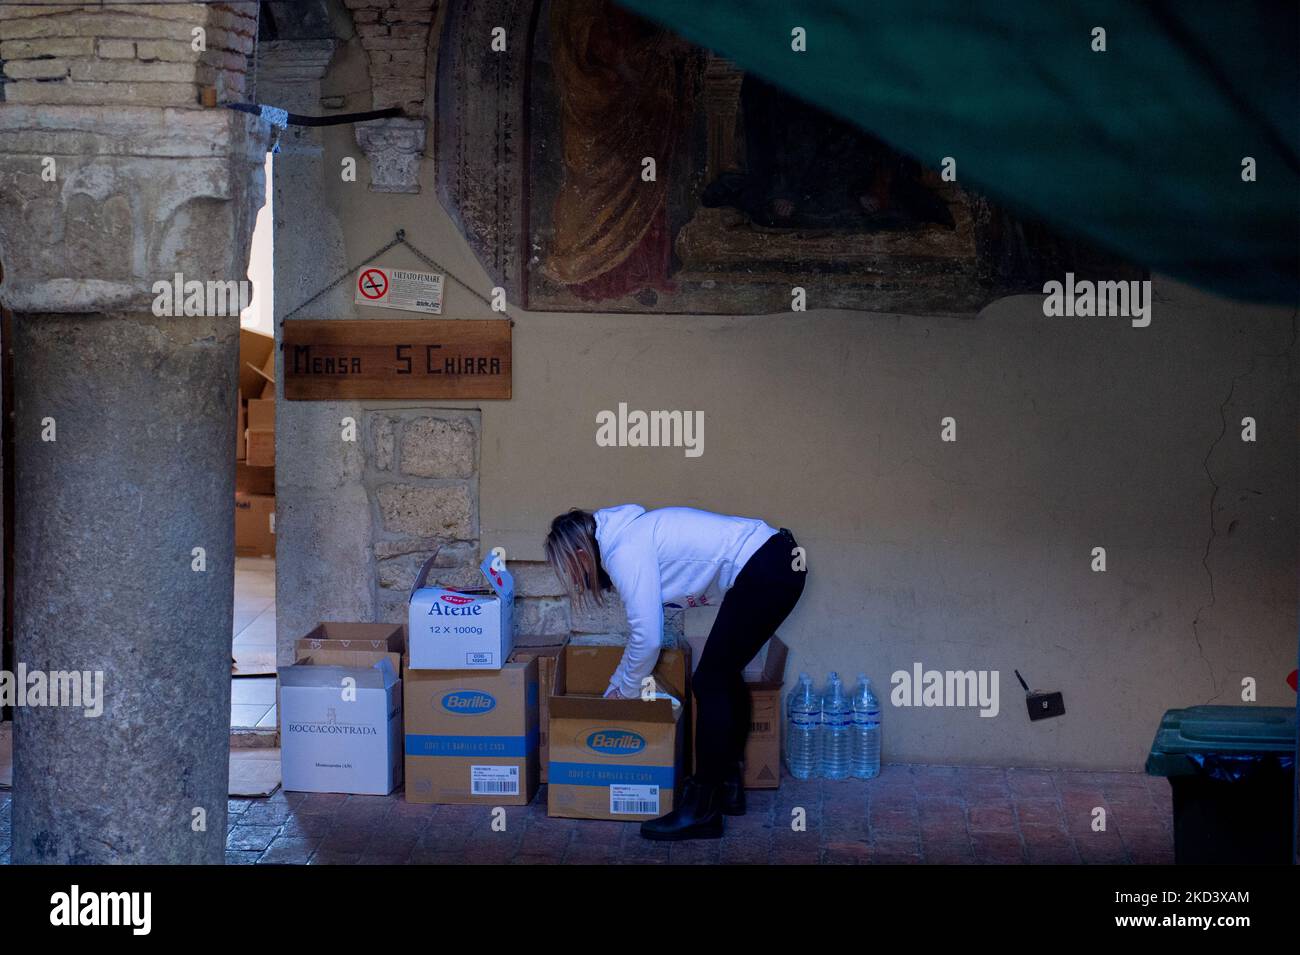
<point>765,591</point>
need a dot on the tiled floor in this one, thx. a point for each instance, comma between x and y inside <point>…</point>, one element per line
<point>252,699</point>
<point>910,814</point>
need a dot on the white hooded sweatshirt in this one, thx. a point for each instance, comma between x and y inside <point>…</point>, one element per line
<point>677,556</point>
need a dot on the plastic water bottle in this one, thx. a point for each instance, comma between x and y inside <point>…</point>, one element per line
<point>803,735</point>
<point>866,730</point>
<point>837,730</point>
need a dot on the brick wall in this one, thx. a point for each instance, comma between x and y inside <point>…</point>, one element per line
<point>395,36</point>
<point>136,54</point>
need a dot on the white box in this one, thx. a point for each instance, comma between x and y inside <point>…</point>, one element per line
<point>462,630</point>
<point>339,737</point>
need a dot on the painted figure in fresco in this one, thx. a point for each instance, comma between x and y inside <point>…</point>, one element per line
<point>624,95</point>
<point>808,169</point>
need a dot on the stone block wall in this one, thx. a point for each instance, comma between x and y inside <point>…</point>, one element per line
<point>132,54</point>
<point>421,478</point>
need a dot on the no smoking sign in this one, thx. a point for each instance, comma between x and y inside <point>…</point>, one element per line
<point>402,289</point>
<point>372,285</point>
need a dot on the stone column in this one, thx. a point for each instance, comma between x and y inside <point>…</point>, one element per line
<point>125,420</point>
<point>323,526</point>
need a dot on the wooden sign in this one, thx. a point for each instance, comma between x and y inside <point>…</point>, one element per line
<point>399,358</point>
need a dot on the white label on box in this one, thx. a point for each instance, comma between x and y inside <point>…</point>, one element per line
<point>400,288</point>
<point>494,780</point>
<point>479,659</point>
<point>633,800</point>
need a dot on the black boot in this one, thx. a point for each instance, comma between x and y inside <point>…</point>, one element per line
<point>699,816</point>
<point>733,793</point>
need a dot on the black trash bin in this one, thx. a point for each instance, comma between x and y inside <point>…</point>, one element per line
<point>1232,771</point>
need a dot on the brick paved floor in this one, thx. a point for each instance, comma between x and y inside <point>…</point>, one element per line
<point>910,814</point>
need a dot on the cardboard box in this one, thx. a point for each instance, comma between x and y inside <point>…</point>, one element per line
<point>267,374</point>
<point>471,735</point>
<point>261,448</point>
<point>615,759</point>
<point>253,480</point>
<point>254,350</point>
<point>340,738</point>
<point>763,744</point>
<point>462,630</point>
<point>353,644</point>
<point>261,414</point>
<point>260,436</point>
<point>241,443</point>
<point>546,651</point>
<point>254,525</point>
<point>753,672</point>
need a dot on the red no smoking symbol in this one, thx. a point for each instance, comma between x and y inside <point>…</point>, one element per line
<point>373,283</point>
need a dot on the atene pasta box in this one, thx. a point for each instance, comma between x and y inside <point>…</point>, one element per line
<point>462,629</point>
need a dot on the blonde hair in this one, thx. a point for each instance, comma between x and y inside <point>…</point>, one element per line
<point>574,555</point>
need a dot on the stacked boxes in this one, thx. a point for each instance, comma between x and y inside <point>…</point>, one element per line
<point>352,644</point>
<point>337,736</point>
<point>615,759</point>
<point>546,651</point>
<point>255,447</point>
<point>260,437</point>
<point>763,745</point>
<point>254,524</point>
<point>472,733</point>
<point>463,629</point>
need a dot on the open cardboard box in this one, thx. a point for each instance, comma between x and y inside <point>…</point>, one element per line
<point>763,744</point>
<point>353,644</point>
<point>472,735</point>
<point>331,742</point>
<point>462,629</point>
<point>256,363</point>
<point>546,650</point>
<point>615,759</point>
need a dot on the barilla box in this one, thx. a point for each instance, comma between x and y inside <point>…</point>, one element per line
<point>352,644</point>
<point>546,650</point>
<point>462,629</point>
<point>615,759</point>
<point>340,728</point>
<point>471,735</point>
<point>763,744</point>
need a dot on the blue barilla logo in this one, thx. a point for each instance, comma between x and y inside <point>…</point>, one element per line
<point>468,702</point>
<point>615,742</point>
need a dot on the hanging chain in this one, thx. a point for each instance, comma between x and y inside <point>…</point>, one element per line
<point>398,239</point>
<point>401,237</point>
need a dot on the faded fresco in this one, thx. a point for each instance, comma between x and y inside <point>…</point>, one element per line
<point>753,191</point>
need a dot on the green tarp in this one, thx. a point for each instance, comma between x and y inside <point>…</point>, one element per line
<point>1138,148</point>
